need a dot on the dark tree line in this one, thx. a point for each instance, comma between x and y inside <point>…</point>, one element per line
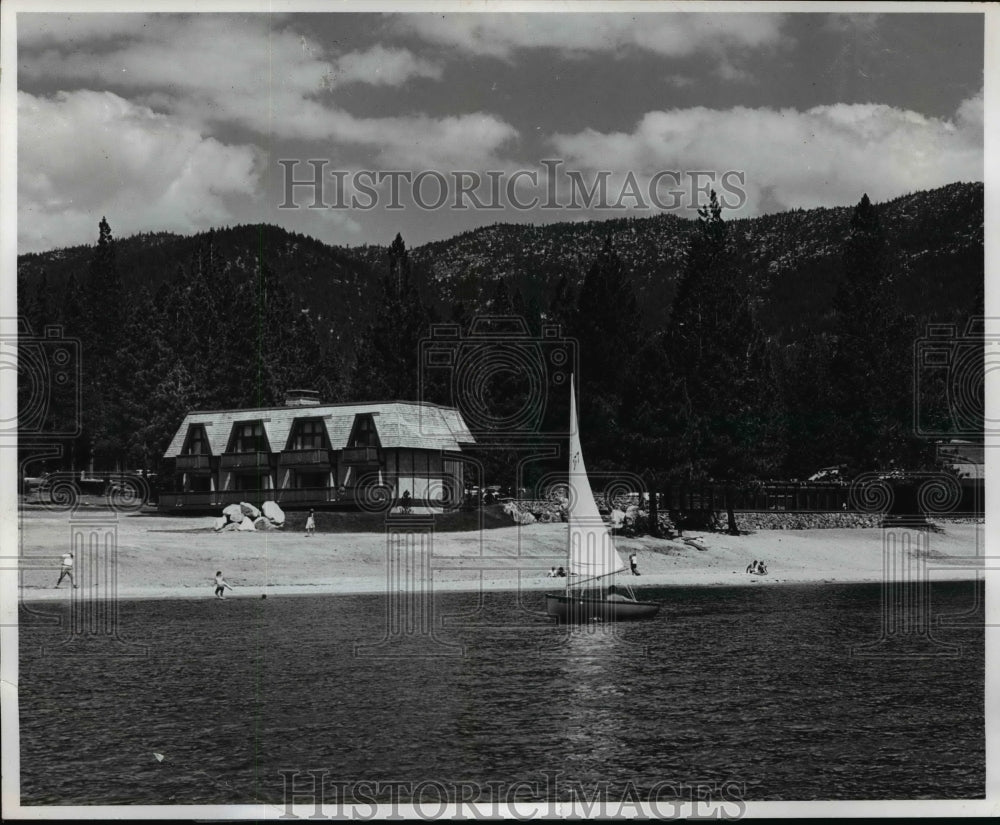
<point>210,338</point>
<point>709,394</point>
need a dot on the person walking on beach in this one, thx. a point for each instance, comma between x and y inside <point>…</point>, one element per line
<point>634,561</point>
<point>220,585</point>
<point>311,523</point>
<point>66,570</point>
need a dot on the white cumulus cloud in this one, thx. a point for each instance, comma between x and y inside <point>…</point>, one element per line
<point>671,35</point>
<point>213,69</point>
<point>85,154</point>
<point>823,156</point>
<point>379,66</point>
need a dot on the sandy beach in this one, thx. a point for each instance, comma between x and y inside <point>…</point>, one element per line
<point>169,557</point>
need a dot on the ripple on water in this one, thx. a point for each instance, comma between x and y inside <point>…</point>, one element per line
<point>748,685</point>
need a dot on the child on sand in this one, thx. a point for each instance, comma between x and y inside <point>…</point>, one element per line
<point>220,585</point>
<point>311,523</point>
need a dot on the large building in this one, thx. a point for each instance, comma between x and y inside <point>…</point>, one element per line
<point>306,454</point>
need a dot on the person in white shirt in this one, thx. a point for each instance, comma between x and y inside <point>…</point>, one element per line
<point>311,523</point>
<point>220,585</point>
<point>66,570</point>
<point>552,573</point>
<point>634,561</point>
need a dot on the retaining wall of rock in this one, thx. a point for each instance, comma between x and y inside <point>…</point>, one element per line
<point>544,510</point>
<point>772,520</point>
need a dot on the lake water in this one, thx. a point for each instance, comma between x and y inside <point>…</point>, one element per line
<point>756,687</point>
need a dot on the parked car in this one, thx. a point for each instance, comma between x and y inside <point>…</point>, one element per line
<point>829,474</point>
<point>34,484</point>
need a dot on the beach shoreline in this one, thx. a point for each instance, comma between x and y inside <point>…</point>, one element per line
<point>159,557</point>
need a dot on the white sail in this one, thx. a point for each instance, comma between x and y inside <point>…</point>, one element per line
<point>592,552</point>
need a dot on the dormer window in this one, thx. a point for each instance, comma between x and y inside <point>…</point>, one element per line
<point>196,442</point>
<point>364,433</point>
<point>248,437</point>
<point>308,434</point>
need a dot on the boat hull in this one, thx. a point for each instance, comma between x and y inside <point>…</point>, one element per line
<point>578,608</point>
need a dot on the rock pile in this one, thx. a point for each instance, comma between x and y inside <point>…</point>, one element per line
<point>246,518</point>
<point>520,515</point>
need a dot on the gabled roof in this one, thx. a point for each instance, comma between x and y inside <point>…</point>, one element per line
<point>399,424</point>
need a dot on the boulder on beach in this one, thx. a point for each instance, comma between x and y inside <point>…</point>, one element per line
<point>246,525</point>
<point>231,526</point>
<point>249,510</point>
<point>524,518</point>
<point>234,513</point>
<point>264,523</point>
<point>220,522</point>
<point>617,518</point>
<point>274,512</point>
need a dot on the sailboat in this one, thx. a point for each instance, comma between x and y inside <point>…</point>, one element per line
<point>592,554</point>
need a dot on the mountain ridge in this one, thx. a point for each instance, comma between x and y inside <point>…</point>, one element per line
<point>935,237</point>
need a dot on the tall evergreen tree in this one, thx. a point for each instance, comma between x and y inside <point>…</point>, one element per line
<point>386,365</point>
<point>724,409</point>
<point>102,330</point>
<point>871,369</point>
<point>605,328</point>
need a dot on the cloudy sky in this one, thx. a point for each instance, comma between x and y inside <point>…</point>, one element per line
<point>178,122</point>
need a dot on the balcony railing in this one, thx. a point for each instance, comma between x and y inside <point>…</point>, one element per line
<point>306,495</point>
<point>226,497</point>
<point>305,458</point>
<point>359,455</point>
<point>168,500</point>
<point>187,463</point>
<point>244,461</point>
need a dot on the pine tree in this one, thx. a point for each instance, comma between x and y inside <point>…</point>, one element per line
<point>605,327</point>
<point>871,368</point>
<point>386,365</point>
<point>101,326</point>
<point>724,408</point>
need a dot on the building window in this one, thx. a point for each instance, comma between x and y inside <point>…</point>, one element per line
<point>197,441</point>
<point>250,482</point>
<point>248,437</point>
<point>309,435</point>
<point>364,433</point>
<point>200,484</point>
<point>305,480</point>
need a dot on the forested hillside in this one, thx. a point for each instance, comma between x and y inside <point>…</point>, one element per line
<point>735,349</point>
